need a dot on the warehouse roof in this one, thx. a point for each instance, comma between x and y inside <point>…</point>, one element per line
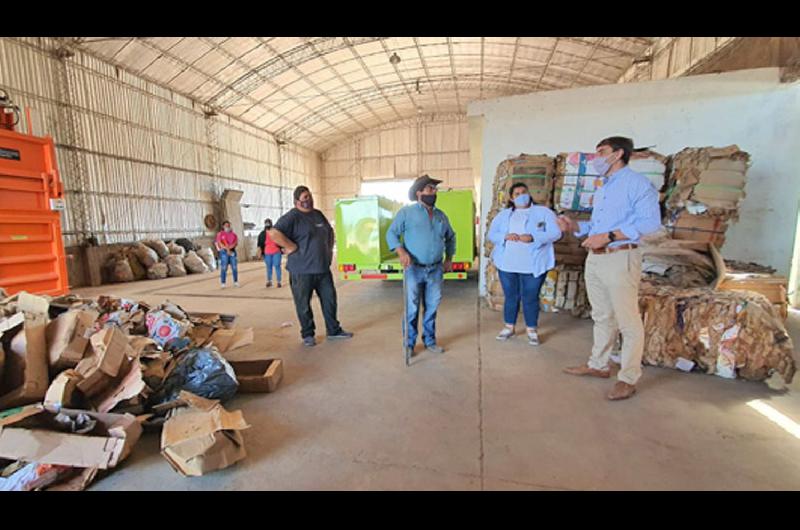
<point>316,91</point>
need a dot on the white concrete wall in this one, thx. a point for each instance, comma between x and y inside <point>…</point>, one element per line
<point>750,108</point>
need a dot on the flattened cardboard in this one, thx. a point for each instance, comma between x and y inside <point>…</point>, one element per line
<point>22,438</point>
<point>26,377</point>
<point>129,387</point>
<point>196,441</point>
<point>68,337</point>
<point>230,339</point>
<point>111,360</point>
<point>258,376</point>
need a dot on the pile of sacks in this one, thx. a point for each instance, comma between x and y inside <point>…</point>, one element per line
<point>154,260</point>
<point>78,388</point>
<point>726,333</point>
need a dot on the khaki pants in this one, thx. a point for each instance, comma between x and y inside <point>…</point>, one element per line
<point>612,283</point>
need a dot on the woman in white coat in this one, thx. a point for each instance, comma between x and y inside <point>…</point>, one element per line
<point>523,236</point>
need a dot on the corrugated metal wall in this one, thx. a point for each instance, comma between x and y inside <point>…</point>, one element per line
<point>436,145</point>
<point>148,161</point>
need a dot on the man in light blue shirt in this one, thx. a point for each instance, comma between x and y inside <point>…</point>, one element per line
<point>625,208</point>
<point>421,235</point>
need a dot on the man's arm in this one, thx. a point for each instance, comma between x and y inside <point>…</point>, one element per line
<point>449,243</point>
<point>282,241</point>
<point>396,229</point>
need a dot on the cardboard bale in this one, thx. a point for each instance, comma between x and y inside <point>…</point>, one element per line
<point>32,434</point>
<point>726,333</point>
<point>575,182</point>
<point>258,376</point>
<point>202,437</point>
<point>773,287</point>
<point>68,337</point>
<point>702,228</point>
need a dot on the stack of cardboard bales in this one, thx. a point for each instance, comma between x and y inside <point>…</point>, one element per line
<point>536,171</point>
<point>743,278</point>
<point>705,189</point>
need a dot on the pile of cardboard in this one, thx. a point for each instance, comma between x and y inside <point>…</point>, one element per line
<point>705,190</point>
<point>87,380</point>
<point>772,286</point>
<point>727,333</point>
<point>564,290</point>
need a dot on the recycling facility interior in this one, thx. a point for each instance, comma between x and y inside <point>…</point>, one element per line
<point>157,140</point>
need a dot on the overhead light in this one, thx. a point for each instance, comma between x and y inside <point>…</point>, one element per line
<point>394,59</point>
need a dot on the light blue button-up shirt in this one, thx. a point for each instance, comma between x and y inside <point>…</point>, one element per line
<point>626,201</point>
<point>425,238</point>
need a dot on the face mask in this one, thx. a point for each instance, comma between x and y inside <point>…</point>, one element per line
<point>521,201</point>
<point>268,226</point>
<point>601,165</point>
<point>307,204</point>
<point>228,229</point>
<point>428,200</point>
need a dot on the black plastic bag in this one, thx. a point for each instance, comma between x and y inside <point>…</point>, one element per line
<point>201,371</point>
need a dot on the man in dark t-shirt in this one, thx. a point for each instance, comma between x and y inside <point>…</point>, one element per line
<point>306,237</point>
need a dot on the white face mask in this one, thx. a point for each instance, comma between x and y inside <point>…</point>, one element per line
<point>228,229</point>
<point>601,165</point>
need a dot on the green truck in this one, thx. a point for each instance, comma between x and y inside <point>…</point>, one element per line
<point>361,225</point>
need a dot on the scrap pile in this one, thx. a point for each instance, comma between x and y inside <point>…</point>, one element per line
<point>668,262</point>
<point>153,260</point>
<point>726,333</point>
<point>81,379</point>
<point>705,189</point>
<point>756,278</point>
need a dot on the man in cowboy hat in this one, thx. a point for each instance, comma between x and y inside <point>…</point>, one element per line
<point>425,243</point>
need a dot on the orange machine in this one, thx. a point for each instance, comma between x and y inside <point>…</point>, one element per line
<point>32,254</point>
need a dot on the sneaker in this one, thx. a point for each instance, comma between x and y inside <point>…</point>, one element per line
<point>222,286</point>
<point>278,284</point>
<point>506,334</point>
<point>533,337</point>
<point>341,334</point>
<point>435,348</point>
<point>269,284</point>
<point>309,341</point>
<point>236,284</point>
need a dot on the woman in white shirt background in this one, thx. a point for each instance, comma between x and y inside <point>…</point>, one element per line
<point>523,234</point>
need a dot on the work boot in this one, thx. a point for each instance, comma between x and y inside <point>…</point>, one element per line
<point>533,337</point>
<point>435,348</point>
<point>505,334</point>
<point>586,370</point>
<point>621,390</point>
<point>309,341</point>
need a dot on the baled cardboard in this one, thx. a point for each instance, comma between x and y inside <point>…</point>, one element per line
<point>68,337</point>
<point>258,376</point>
<point>202,437</point>
<point>30,435</point>
<point>25,374</point>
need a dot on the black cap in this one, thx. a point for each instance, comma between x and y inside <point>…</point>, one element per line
<point>420,184</point>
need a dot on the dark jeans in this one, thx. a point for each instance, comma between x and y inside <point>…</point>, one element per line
<point>524,287</point>
<point>303,285</point>
<point>423,285</point>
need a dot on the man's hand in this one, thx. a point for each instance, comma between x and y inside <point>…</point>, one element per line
<point>448,265</point>
<point>526,238</point>
<point>405,257</point>
<point>596,241</point>
<point>512,237</point>
<point>567,224</point>
<point>289,249</point>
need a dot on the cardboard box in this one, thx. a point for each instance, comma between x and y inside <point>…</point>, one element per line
<point>258,376</point>
<point>111,359</point>
<point>68,337</point>
<point>230,339</point>
<point>31,435</point>
<point>25,374</point>
<point>202,437</point>
<point>62,391</point>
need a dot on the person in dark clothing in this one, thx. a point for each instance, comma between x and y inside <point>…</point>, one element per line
<point>306,237</point>
<point>271,253</point>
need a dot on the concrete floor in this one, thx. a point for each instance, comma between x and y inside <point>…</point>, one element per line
<point>484,415</point>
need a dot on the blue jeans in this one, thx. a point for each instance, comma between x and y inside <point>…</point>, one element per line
<point>526,287</point>
<point>423,284</point>
<point>273,260</point>
<point>225,259</point>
